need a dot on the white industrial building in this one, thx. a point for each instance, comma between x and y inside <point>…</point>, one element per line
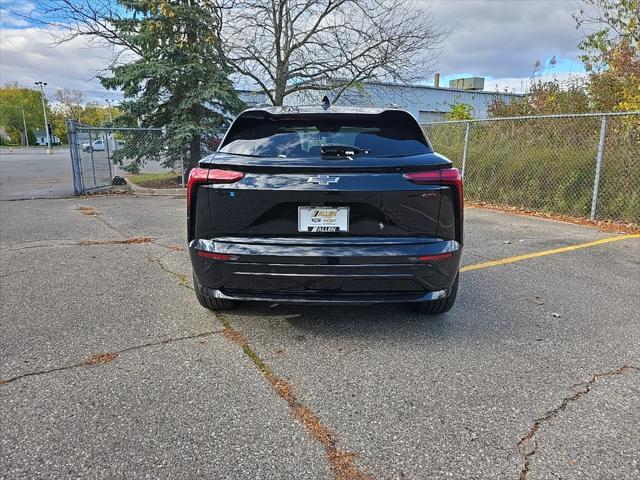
<point>426,103</point>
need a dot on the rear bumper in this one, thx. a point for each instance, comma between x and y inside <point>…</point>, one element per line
<point>329,271</point>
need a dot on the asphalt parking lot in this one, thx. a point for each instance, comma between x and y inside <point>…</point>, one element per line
<point>111,369</point>
<point>31,173</point>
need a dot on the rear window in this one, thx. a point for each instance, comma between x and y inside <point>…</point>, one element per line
<point>389,134</point>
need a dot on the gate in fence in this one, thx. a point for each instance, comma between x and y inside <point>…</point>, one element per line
<point>100,154</point>
<point>584,165</point>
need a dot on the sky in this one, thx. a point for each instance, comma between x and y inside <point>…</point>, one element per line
<point>497,39</point>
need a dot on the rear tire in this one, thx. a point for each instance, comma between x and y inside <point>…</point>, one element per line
<point>212,303</point>
<point>436,307</point>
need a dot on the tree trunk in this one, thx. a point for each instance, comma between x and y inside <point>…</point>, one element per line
<point>278,94</point>
<point>280,84</point>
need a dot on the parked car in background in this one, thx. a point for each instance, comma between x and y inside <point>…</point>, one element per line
<point>100,145</point>
<point>325,205</point>
<point>95,146</point>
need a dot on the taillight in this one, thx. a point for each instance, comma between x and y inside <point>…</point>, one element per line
<point>424,178</point>
<point>196,176</point>
<point>446,176</point>
<point>435,257</point>
<point>206,175</point>
<point>215,255</point>
<point>224,176</point>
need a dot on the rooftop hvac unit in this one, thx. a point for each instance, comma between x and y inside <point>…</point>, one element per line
<point>472,83</point>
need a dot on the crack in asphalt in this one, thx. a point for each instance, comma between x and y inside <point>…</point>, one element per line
<point>341,462</point>
<point>4,275</point>
<point>174,248</point>
<point>537,424</point>
<point>89,243</point>
<point>91,212</point>
<point>183,280</point>
<point>124,241</point>
<point>107,357</point>
<point>60,243</point>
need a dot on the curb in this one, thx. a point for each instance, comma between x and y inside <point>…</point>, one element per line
<point>161,192</point>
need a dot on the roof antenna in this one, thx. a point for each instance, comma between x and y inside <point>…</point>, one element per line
<point>326,103</point>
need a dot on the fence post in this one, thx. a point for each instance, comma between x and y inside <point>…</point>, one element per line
<point>93,163</point>
<point>182,167</point>
<point>464,150</point>
<point>76,168</point>
<point>596,180</point>
<point>106,146</point>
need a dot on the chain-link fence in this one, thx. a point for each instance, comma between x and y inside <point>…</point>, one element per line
<point>583,165</point>
<point>138,156</point>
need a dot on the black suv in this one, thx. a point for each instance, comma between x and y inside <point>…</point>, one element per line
<point>325,205</point>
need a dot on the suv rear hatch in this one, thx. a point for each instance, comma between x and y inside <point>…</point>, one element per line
<point>270,199</point>
<point>278,176</point>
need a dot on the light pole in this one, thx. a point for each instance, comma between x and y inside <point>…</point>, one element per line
<point>44,110</point>
<point>110,116</point>
<point>112,137</point>
<point>24,124</point>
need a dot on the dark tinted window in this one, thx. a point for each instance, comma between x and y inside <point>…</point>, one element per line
<point>387,134</point>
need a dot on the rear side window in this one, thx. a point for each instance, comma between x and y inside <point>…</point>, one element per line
<point>389,134</point>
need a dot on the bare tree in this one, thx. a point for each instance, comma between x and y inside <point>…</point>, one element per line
<point>288,46</point>
<point>69,103</point>
<point>93,19</point>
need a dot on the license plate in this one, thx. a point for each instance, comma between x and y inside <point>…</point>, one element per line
<point>323,219</point>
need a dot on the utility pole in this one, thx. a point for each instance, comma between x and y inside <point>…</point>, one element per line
<point>44,110</point>
<point>24,123</point>
<point>110,116</point>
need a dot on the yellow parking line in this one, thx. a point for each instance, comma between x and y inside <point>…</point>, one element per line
<point>544,253</point>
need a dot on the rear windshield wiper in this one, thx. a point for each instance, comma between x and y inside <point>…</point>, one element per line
<point>400,155</point>
<point>241,154</point>
<point>340,151</point>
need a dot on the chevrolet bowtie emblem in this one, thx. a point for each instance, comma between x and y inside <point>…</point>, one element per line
<point>323,180</point>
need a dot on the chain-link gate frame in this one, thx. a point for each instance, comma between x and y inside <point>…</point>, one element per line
<point>96,154</point>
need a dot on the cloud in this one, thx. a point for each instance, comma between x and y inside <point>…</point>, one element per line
<point>503,39</point>
<point>28,55</point>
<point>13,13</point>
<point>521,85</point>
<point>18,6</point>
<point>499,40</point>
<point>10,21</point>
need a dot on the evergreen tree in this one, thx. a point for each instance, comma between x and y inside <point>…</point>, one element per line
<point>178,79</point>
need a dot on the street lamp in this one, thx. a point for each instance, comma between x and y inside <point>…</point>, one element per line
<point>44,110</point>
<point>110,116</point>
